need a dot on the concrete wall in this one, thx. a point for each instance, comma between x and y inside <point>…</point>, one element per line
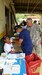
<point>41,20</point>
<point>3,3</point>
<point>2,18</point>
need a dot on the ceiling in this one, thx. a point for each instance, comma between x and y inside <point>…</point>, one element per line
<point>28,6</point>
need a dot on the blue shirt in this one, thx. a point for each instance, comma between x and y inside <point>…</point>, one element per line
<point>27,42</point>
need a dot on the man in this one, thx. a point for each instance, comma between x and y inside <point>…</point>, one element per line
<point>8,47</point>
<point>35,31</point>
<point>23,24</point>
<point>24,40</point>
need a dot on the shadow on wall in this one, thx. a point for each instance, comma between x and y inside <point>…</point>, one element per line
<point>1,45</point>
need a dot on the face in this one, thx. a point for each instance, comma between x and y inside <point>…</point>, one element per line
<point>7,40</point>
<point>29,23</point>
<point>18,30</point>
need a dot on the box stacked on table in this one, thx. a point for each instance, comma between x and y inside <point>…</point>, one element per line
<point>14,66</point>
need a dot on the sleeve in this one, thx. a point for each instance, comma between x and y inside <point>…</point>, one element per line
<point>21,36</point>
<point>7,48</point>
<point>12,47</point>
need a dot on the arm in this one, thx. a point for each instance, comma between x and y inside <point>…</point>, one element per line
<point>12,52</point>
<point>40,28</point>
<point>20,41</point>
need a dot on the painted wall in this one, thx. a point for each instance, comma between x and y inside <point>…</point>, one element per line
<point>2,18</point>
<point>3,3</point>
<point>41,20</point>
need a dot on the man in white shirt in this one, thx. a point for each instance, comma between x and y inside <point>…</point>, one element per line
<point>8,47</point>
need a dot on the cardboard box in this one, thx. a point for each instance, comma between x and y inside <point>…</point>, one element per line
<point>6,74</point>
<point>15,68</point>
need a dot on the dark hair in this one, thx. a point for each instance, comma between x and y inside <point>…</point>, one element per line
<point>35,21</point>
<point>23,23</point>
<point>5,37</point>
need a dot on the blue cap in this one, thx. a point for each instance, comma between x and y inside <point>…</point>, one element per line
<point>16,27</point>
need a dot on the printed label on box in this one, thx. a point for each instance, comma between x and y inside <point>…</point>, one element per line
<point>16,69</point>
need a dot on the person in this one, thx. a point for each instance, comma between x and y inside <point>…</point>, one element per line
<point>23,24</point>
<point>35,31</point>
<point>24,40</point>
<point>29,23</point>
<point>8,47</point>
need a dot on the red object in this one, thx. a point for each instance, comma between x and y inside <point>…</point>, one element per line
<point>29,58</point>
<point>35,63</point>
<point>35,74</point>
<point>32,57</point>
<point>32,63</point>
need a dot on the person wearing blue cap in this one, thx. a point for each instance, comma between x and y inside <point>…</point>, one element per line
<point>24,40</point>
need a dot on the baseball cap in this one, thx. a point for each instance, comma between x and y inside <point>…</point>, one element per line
<point>16,27</point>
